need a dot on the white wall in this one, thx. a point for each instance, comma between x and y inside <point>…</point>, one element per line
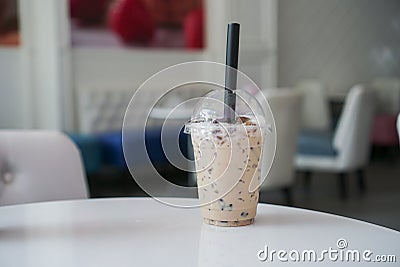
<point>340,42</point>
<point>11,104</point>
<point>34,78</point>
<point>45,59</point>
<point>119,68</point>
<point>122,66</point>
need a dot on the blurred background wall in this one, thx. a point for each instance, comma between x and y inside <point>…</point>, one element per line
<point>339,42</point>
<point>10,90</point>
<point>43,76</point>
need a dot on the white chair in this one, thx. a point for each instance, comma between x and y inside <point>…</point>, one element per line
<point>349,148</point>
<point>39,166</point>
<point>398,126</point>
<point>315,111</point>
<point>286,108</point>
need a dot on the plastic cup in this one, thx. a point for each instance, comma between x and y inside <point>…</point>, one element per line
<point>228,159</point>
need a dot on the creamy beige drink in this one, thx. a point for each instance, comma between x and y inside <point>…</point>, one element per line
<point>228,170</point>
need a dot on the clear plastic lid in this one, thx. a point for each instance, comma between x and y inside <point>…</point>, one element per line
<point>209,113</point>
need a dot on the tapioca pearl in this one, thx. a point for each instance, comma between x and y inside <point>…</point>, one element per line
<point>217,131</point>
<point>244,214</point>
<point>229,207</point>
<point>221,204</point>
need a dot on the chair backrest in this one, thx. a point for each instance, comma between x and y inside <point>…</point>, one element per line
<point>387,92</point>
<point>315,112</point>
<point>286,108</point>
<point>102,108</point>
<point>39,166</point>
<point>353,132</point>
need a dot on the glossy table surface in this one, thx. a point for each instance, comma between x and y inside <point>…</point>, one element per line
<point>144,232</point>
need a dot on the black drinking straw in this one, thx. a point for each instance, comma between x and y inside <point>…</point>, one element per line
<point>232,51</point>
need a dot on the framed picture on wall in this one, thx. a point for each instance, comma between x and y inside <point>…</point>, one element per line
<point>9,24</point>
<point>173,24</point>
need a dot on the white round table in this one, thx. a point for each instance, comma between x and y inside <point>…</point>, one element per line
<point>144,232</point>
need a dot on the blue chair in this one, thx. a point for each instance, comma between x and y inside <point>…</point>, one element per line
<point>111,144</point>
<point>90,150</point>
